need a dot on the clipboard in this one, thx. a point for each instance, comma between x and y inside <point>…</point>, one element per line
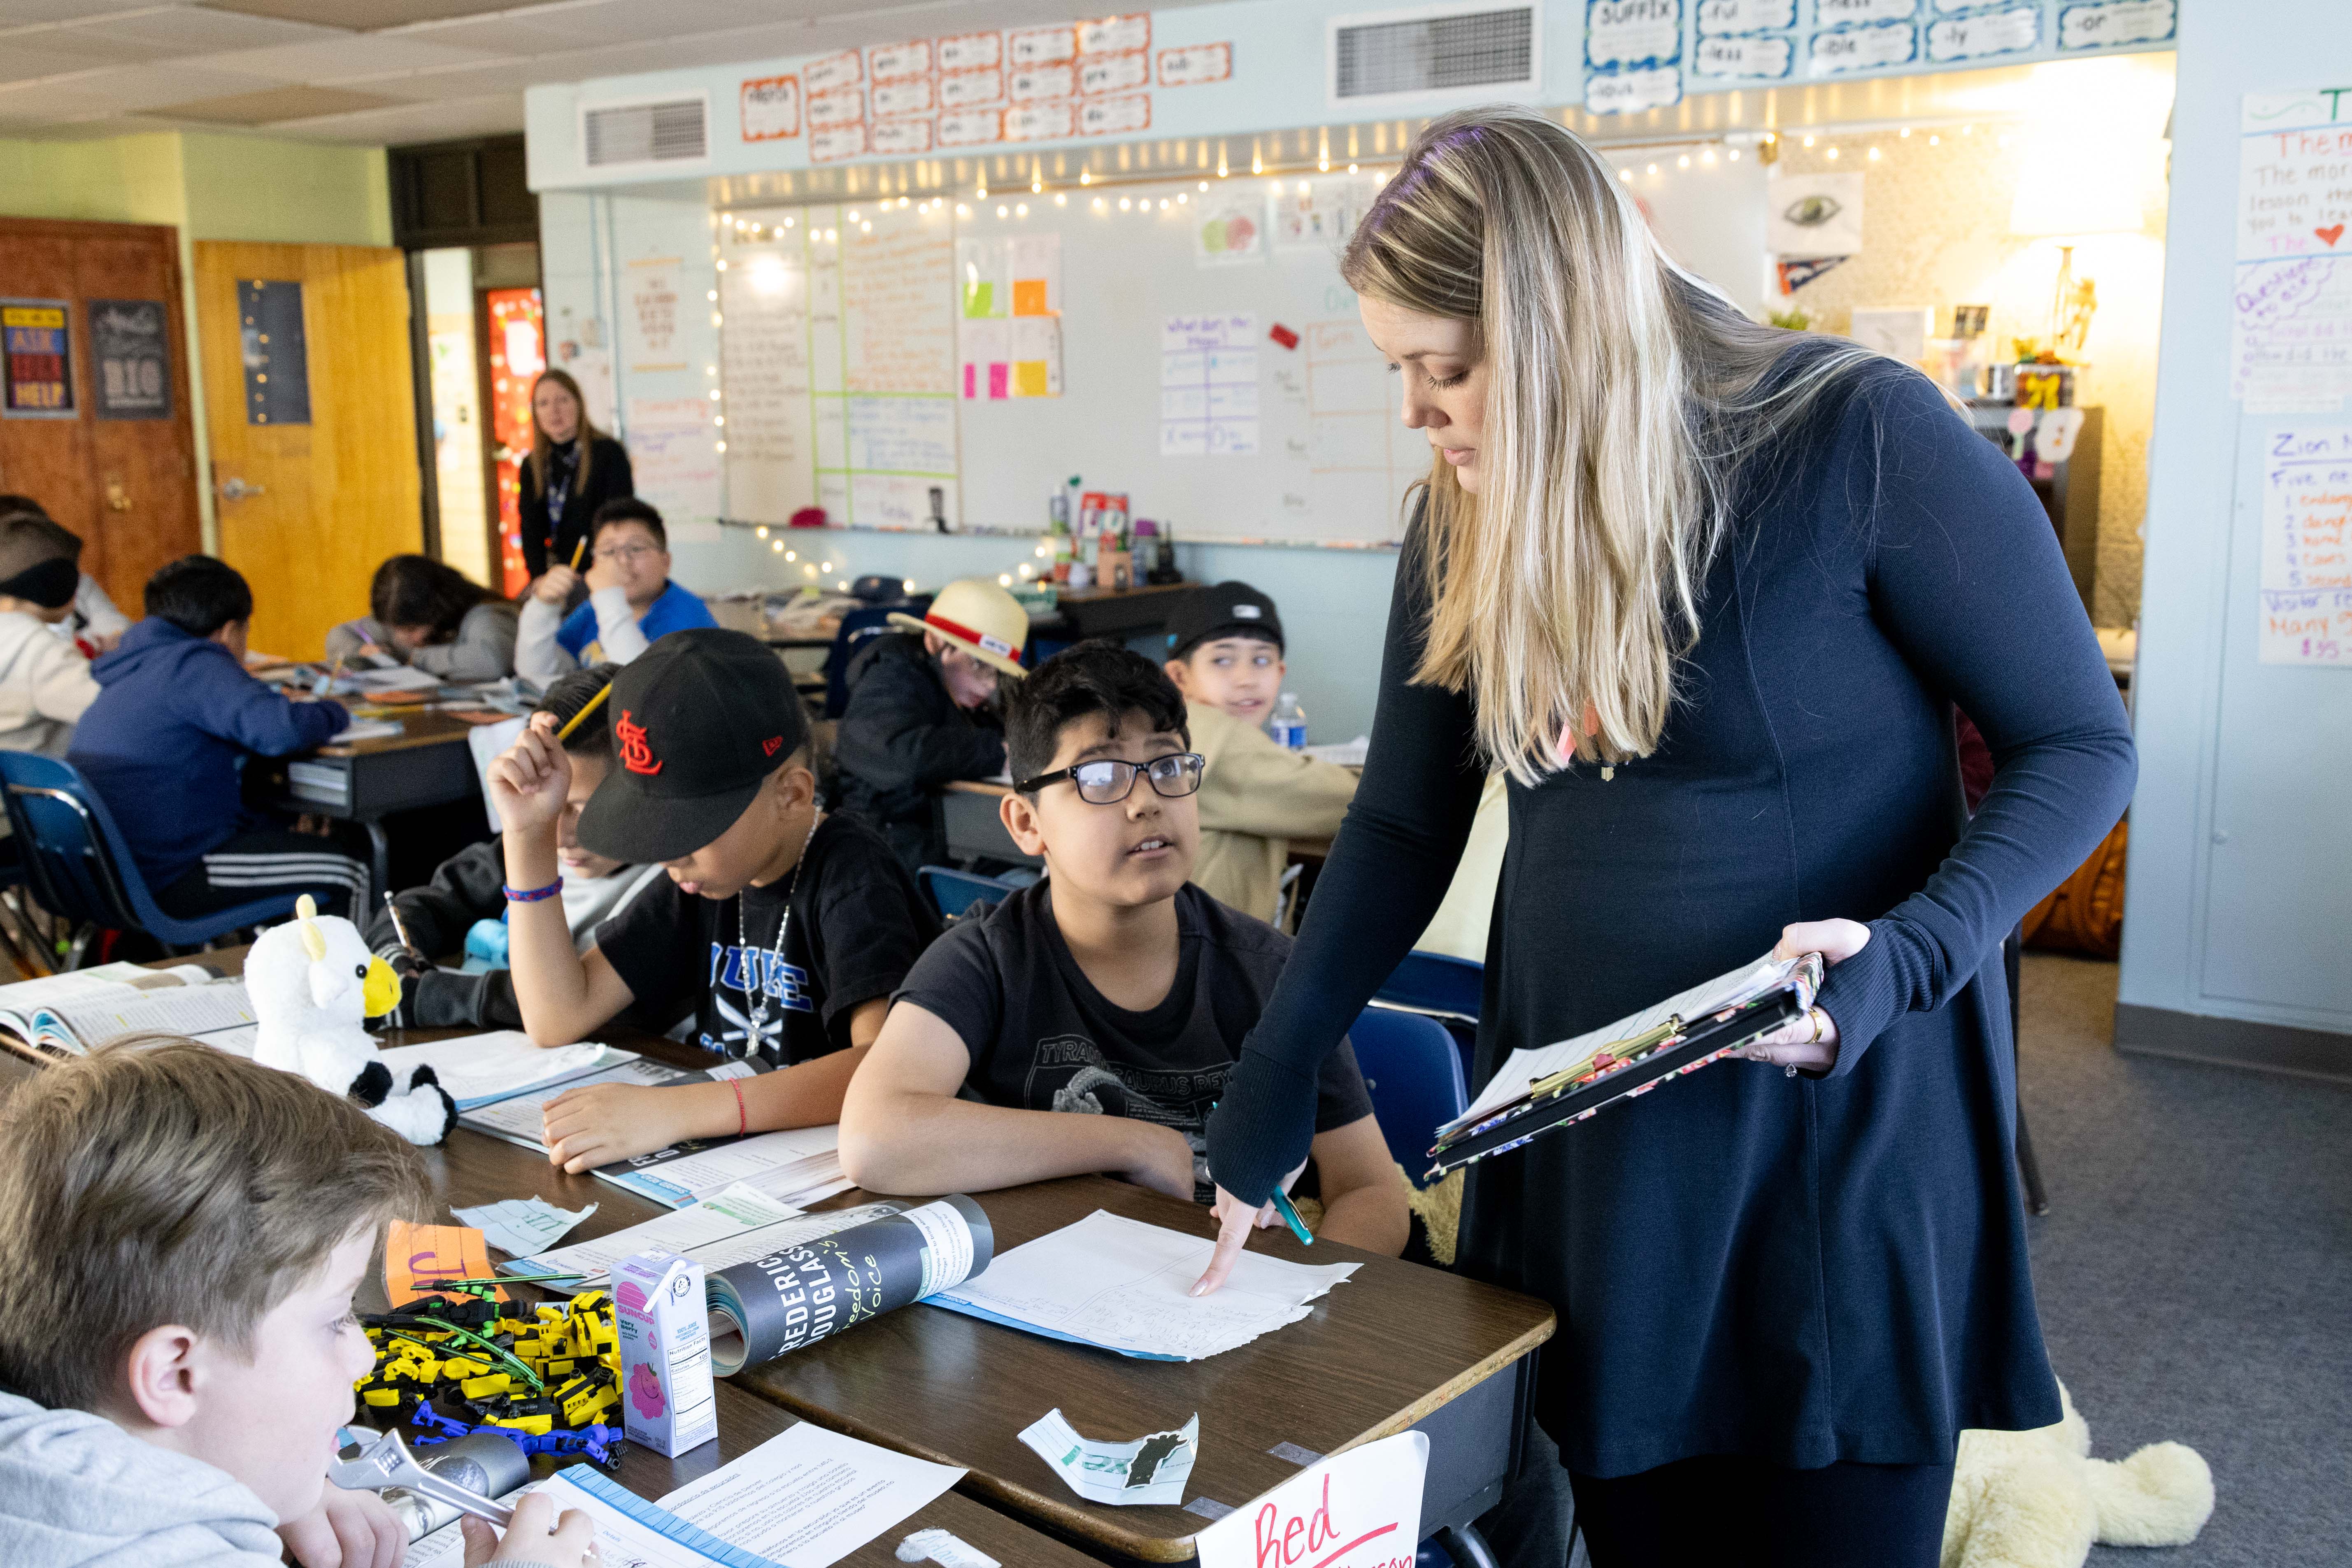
<point>1626,1069</point>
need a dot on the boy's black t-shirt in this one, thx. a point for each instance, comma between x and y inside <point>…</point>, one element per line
<point>858,924</point>
<point>1042,1038</point>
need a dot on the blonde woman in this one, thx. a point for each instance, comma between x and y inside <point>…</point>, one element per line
<point>1709,592</point>
<point>572,468</point>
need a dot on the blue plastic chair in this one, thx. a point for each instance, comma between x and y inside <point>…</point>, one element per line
<point>1414,1074</point>
<point>1444,988</point>
<point>952,891</point>
<point>79,867</point>
<point>855,628</point>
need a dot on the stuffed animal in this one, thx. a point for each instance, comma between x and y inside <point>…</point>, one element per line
<point>314,984</point>
<point>2038,1499</point>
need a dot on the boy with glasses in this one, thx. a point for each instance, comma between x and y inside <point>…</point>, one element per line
<point>1113,988</point>
<point>631,600</point>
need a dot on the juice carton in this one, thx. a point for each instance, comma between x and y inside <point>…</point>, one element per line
<point>668,1401</point>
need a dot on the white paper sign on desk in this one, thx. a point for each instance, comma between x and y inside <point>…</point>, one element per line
<point>1357,1510</point>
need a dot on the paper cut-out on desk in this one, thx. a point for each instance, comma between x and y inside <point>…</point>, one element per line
<point>944,1547</point>
<point>521,1227</point>
<point>416,1255</point>
<point>1149,1470</point>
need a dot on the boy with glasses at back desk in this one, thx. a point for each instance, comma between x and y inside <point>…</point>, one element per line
<point>631,600</point>
<point>1113,988</point>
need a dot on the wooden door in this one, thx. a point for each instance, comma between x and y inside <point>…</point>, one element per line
<point>314,472</point>
<point>117,465</point>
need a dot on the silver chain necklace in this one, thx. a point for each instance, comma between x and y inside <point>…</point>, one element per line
<point>755,986</point>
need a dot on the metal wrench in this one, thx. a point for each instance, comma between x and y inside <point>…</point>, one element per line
<point>387,1462</point>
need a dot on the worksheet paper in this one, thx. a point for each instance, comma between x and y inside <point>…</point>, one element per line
<point>520,1227</point>
<point>1125,1286</point>
<point>727,1228</point>
<point>218,1013</point>
<point>809,1496</point>
<point>679,1176</point>
<point>478,1070</point>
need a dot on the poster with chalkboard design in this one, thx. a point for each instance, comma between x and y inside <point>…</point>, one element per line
<point>277,358</point>
<point>37,368</point>
<point>130,355</point>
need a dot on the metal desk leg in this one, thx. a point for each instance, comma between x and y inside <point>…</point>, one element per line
<point>379,865</point>
<point>1467,1547</point>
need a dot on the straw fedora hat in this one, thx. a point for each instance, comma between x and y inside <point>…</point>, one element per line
<point>979,617</point>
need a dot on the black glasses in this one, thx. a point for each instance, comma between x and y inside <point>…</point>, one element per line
<point>1107,783</point>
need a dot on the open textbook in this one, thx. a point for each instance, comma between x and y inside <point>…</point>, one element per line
<point>796,1167</point>
<point>74,1013</point>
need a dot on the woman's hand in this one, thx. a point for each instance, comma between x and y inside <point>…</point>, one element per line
<point>1811,1042</point>
<point>555,584</point>
<point>1235,1220</point>
<point>531,778</point>
<point>535,1535</point>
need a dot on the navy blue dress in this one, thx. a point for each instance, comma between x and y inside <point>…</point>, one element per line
<point>1805,1270</point>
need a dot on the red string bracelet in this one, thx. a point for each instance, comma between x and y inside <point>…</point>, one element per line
<point>742,1116</point>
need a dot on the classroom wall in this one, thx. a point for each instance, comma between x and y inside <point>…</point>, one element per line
<point>1936,232</point>
<point>2238,898</point>
<point>208,186</point>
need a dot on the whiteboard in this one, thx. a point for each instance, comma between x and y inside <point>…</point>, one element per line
<point>822,336</point>
<point>1234,397</point>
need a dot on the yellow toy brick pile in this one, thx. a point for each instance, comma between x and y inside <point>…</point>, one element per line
<point>558,1367</point>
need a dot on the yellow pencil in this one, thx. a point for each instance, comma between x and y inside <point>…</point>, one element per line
<point>577,551</point>
<point>574,722</point>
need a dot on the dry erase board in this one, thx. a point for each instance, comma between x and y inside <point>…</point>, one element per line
<point>872,355</point>
<point>1193,349</point>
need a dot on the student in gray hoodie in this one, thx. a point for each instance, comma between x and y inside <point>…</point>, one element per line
<point>182,1232</point>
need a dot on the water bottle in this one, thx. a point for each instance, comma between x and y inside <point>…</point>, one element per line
<point>1289,725</point>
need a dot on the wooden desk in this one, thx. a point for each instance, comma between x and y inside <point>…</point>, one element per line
<point>1399,1347</point>
<point>428,763</point>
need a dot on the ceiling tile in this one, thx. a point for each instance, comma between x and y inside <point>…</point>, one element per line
<point>13,12</point>
<point>348,60</point>
<point>19,63</point>
<point>273,104</point>
<point>126,90</point>
<point>188,31</point>
<point>365,16</point>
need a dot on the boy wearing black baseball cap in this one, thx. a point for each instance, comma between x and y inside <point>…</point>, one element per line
<point>1224,653</point>
<point>782,930</point>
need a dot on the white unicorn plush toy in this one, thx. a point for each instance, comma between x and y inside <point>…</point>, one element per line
<point>314,984</point>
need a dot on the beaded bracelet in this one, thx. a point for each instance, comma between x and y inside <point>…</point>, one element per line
<point>532,896</point>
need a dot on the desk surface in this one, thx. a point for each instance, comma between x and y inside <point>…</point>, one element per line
<point>417,729</point>
<point>1374,1357</point>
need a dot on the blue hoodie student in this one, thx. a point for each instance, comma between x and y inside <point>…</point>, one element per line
<point>175,717</point>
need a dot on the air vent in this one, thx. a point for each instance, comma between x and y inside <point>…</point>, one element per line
<point>671,131</point>
<point>1466,51</point>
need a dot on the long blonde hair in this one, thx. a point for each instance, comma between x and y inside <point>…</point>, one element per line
<point>543,450</point>
<point>1623,393</point>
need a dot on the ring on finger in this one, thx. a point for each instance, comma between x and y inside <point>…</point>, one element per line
<point>1815,1014</point>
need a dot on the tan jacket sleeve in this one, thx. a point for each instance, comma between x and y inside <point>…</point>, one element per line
<point>1254,785</point>
<point>63,687</point>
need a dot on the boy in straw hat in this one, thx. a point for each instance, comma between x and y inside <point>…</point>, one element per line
<point>922,713</point>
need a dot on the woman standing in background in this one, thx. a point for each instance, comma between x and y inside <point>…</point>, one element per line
<point>1707,592</point>
<point>571,469</point>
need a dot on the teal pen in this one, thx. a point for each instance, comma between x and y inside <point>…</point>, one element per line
<point>1283,1207</point>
